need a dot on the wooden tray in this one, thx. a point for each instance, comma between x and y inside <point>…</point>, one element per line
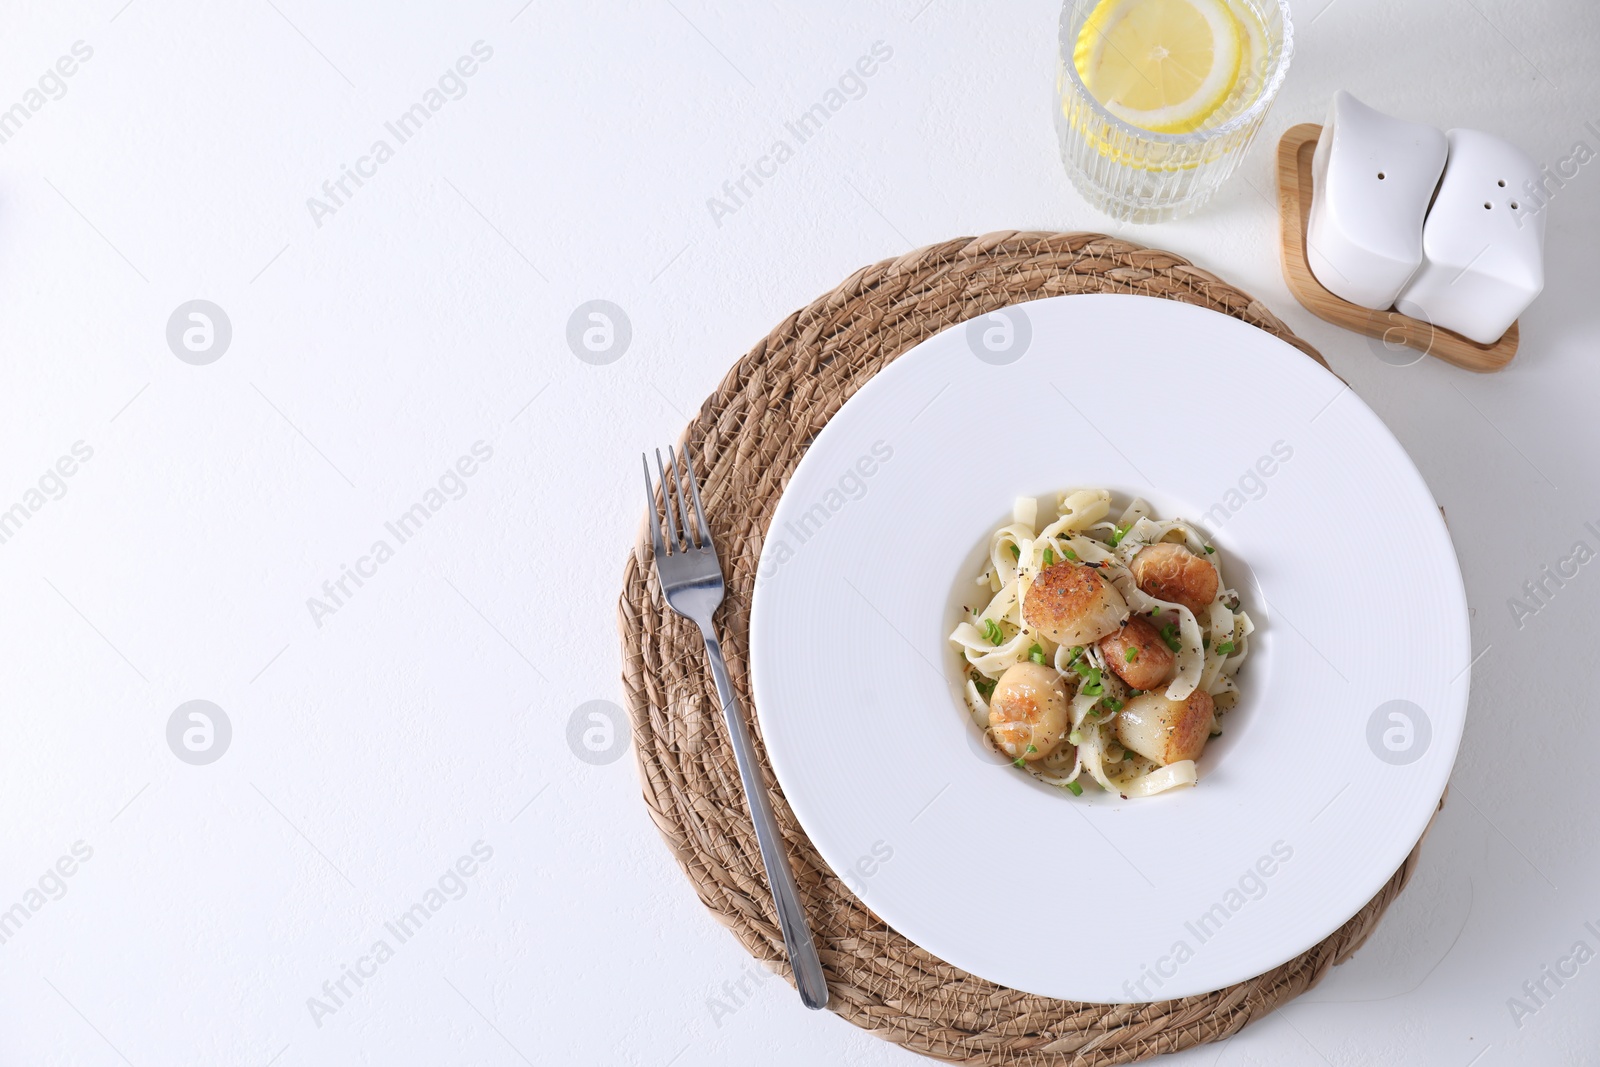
<point>1393,328</point>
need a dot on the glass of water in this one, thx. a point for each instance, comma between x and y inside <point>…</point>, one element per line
<point>1158,100</point>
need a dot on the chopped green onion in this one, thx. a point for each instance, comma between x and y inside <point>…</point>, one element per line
<point>985,686</point>
<point>1091,683</point>
<point>992,633</point>
<point>1075,738</point>
<point>1131,654</point>
<point>1070,554</point>
<point>1075,788</point>
<point>1136,692</point>
<point>1226,648</point>
<point>1169,634</point>
<point>1112,704</point>
<point>1049,558</point>
<point>1036,654</point>
<point>1018,762</point>
<point>1209,550</point>
<point>1205,642</point>
<point>1016,553</point>
<point>1119,534</point>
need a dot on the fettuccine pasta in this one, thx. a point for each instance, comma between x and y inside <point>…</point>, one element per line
<point>1101,648</point>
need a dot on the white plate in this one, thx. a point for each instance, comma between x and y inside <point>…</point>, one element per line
<point>1319,786</point>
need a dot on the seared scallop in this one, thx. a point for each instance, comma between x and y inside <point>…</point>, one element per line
<point>1138,655</point>
<point>1072,605</point>
<point>1028,711</point>
<point>1171,572</point>
<point>1163,730</point>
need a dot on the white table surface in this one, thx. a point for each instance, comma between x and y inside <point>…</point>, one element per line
<point>374,745</point>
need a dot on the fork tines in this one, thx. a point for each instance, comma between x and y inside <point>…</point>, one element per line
<point>681,537</point>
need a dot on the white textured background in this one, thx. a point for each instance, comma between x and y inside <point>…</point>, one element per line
<point>428,313</point>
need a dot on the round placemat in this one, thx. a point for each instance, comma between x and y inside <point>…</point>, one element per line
<point>745,442</point>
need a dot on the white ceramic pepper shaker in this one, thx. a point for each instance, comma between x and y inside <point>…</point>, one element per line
<point>1372,179</point>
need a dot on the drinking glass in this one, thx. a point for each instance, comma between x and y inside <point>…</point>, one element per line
<point>1136,175</point>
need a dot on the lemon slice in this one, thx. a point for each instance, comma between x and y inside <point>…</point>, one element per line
<point>1162,65</point>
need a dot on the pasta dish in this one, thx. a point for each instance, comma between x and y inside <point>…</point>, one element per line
<point>1101,649</point>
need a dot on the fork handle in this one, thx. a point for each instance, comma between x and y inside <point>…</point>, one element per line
<point>808,976</point>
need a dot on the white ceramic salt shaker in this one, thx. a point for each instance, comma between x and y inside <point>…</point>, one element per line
<point>1372,177</point>
<point>1482,245</point>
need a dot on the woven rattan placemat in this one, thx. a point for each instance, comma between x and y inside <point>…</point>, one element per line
<point>745,441</point>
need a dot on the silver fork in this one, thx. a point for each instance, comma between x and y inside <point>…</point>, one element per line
<point>691,577</point>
